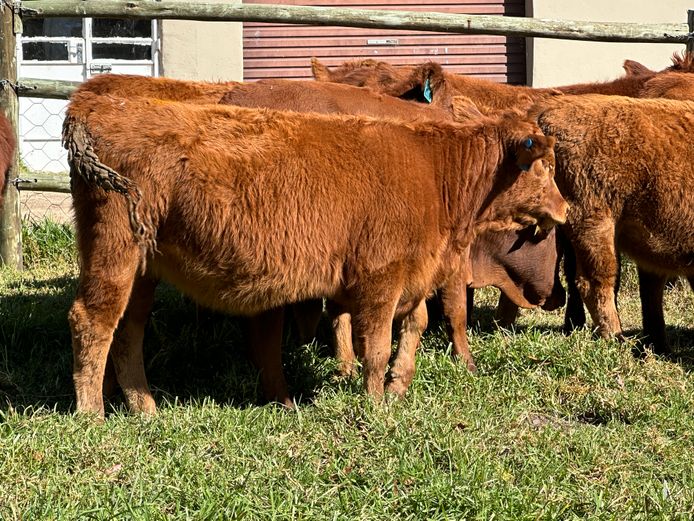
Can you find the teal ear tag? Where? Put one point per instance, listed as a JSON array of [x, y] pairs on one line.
[[427, 91]]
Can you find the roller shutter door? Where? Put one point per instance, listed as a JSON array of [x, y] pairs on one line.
[[284, 50]]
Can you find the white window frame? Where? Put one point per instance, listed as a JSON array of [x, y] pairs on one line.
[[86, 41]]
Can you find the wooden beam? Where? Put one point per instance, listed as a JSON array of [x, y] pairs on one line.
[[40, 181], [53, 89], [382, 19], [10, 217]]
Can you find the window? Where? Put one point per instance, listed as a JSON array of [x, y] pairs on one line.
[[83, 40]]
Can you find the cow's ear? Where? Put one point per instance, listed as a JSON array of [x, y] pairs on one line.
[[320, 71], [422, 84], [531, 147], [634, 68], [464, 109]]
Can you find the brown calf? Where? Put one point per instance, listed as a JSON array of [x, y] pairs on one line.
[[219, 194], [7, 146], [624, 165], [503, 255], [648, 84]]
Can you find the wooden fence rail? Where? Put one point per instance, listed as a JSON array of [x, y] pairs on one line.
[[13, 13], [381, 19]]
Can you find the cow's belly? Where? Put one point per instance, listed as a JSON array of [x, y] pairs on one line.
[[236, 290], [658, 247]]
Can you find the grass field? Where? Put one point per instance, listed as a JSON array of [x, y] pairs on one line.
[[551, 427]]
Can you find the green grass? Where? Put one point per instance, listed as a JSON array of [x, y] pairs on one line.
[[551, 427]]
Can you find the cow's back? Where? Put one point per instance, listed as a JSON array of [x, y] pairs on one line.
[[674, 85], [328, 98], [134, 86]]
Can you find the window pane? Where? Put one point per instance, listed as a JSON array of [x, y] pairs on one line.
[[112, 27], [45, 51], [121, 51], [53, 27]]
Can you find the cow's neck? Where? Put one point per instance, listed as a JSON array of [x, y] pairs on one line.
[[468, 167]]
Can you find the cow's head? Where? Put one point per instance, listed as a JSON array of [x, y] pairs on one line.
[[524, 191], [523, 264], [425, 83], [377, 75], [634, 68], [533, 196]]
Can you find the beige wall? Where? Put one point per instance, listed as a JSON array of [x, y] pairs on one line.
[[202, 50], [562, 62]]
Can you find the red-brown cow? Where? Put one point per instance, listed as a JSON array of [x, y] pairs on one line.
[[217, 205], [624, 165], [7, 146], [428, 83], [505, 259]]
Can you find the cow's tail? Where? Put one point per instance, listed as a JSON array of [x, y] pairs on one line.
[[85, 163]]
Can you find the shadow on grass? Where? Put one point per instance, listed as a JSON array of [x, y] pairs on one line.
[[191, 354], [35, 355], [680, 341]]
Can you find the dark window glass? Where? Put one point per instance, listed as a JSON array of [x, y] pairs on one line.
[[44, 51], [121, 51], [114, 27], [53, 27]]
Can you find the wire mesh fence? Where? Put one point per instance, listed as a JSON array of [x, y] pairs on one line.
[[40, 206], [40, 125]]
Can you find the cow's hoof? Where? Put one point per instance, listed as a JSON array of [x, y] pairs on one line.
[[346, 371], [467, 360], [396, 387]]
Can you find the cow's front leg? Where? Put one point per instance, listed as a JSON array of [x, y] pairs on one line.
[[126, 351], [265, 331], [455, 311], [597, 269], [372, 320], [403, 368], [651, 288], [106, 280]]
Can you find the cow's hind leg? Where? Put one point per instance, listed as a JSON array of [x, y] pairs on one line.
[[266, 353], [575, 315], [403, 368], [651, 287], [455, 311], [126, 351], [341, 322], [506, 312], [105, 283], [597, 270], [307, 315]]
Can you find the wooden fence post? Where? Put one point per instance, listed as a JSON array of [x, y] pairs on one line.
[[690, 40], [10, 218]]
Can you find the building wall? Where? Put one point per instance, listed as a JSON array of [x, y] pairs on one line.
[[208, 51], [561, 62]]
